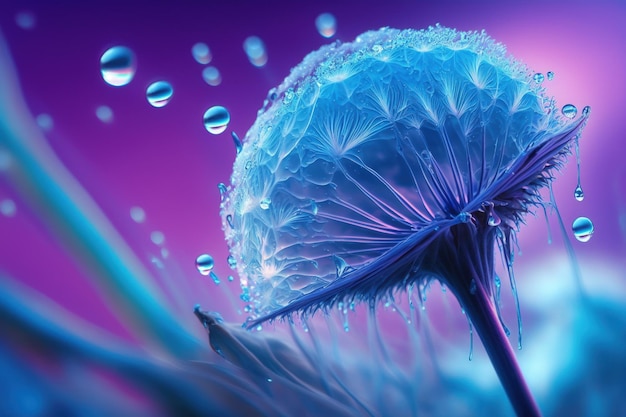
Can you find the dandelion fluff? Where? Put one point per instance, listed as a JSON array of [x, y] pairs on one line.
[[402, 157]]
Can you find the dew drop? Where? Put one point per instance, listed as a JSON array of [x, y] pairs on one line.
[[205, 264], [237, 141], [8, 207], [255, 50], [216, 119], [157, 237], [212, 76], [137, 214], [579, 195], [265, 203], [231, 278], [583, 229], [201, 53], [550, 75], [117, 66], [326, 25], [105, 114], [569, 111], [538, 77], [232, 262], [159, 93]]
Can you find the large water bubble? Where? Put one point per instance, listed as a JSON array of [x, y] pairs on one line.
[[216, 119], [118, 66], [159, 93]]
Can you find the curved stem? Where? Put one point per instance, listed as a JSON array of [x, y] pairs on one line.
[[479, 309]]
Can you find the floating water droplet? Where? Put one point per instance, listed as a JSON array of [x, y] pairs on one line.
[[586, 111], [137, 214], [538, 77], [216, 119], [569, 111], [550, 75], [157, 237], [222, 187], [105, 114], [255, 50], [237, 141], [159, 93], [326, 25], [201, 53], [25, 20], [214, 277], [583, 229], [231, 278], [212, 76], [265, 203], [232, 262], [579, 195], [117, 66], [8, 207], [44, 121], [205, 264]]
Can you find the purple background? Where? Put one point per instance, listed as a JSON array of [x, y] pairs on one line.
[[164, 160]]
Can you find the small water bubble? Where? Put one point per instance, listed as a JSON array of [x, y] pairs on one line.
[[579, 195], [214, 277], [159, 93], [157, 237], [237, 141], [538, 77], [569, 111], [231, 278], [586, 111], [216, 119], [582, 228], [25, 20], [255, 50], [117, 66], [232, 262], [201, 53], [105, 114], [258, 329], [44, 121], [137, 214], [326, 25], [204, 264], [550, 75], [265, 203], [212, 76], [8, 207]]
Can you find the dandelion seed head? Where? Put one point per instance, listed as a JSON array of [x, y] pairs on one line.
[[393, 139]]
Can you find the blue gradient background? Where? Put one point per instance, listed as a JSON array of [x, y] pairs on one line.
[[164, 160]]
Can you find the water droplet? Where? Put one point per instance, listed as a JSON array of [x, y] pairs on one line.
[[25, 20], [583, 229], [265, 203], [229, 220], [105, 114], [232, 262], [8, 207], [205, 264], [231, 278], [159, 93], [538, 77], [550, 75], [214, 277], [314, 207], [465, 217], [586, 111], [117, 66], [201, 53], [326, 25], [473, 286], [137, 214], [222, 187], [255, 50], [578, 193], [44, 121], [212, 76], [157, 237], [216, 119], [569, 111], [237, 141], [268, 379]]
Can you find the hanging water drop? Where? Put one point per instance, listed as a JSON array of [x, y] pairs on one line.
[[326, 25], [204, 264], [157, 237], [583, 229], [569, 111], [159, 93], [117, 66], [201, 53], [216, 119], [578, 193]]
